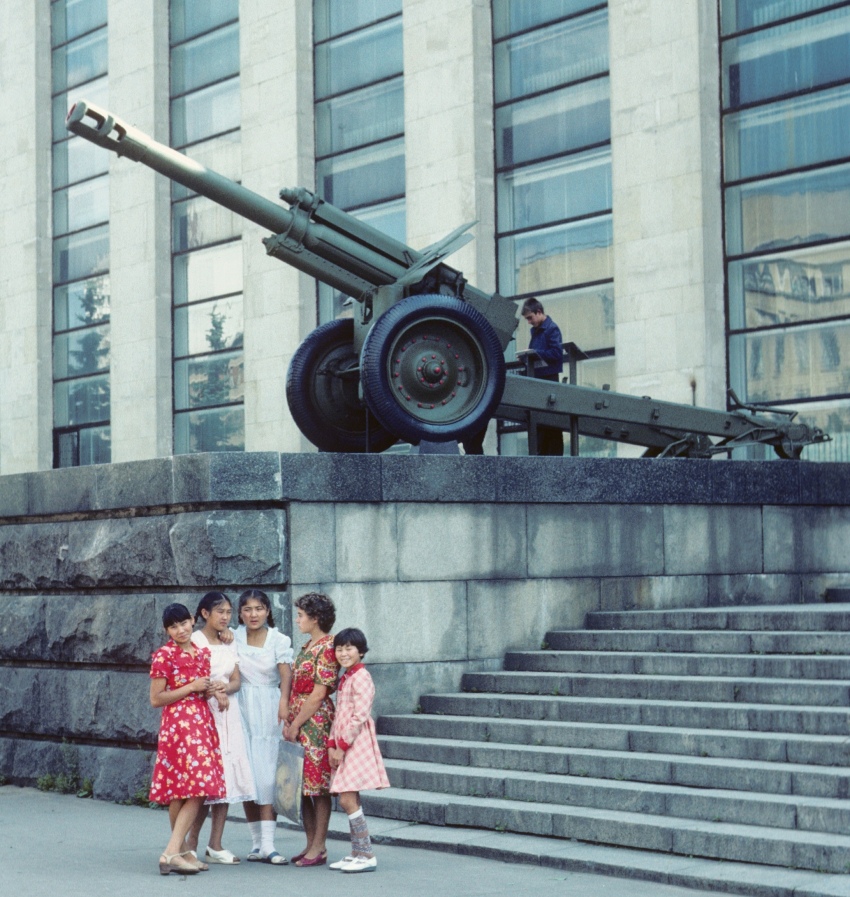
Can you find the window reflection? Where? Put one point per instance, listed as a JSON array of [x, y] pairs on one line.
[[510, 16], [211, 430], [358, 59], [331, 17]]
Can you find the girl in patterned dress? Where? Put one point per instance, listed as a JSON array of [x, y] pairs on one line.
[[188, 764], [311, 713], [355, 757]]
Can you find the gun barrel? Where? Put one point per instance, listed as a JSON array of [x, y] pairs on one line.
[[337, 249]]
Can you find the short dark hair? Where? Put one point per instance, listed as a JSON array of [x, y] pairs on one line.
[[318, 606], [175, 613], [353, 637], [262, 597], [532, 306], [209, 601]]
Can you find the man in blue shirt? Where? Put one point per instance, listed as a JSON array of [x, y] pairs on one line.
[[546, 342]]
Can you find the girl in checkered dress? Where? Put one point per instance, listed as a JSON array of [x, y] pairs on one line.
[[353, 747]]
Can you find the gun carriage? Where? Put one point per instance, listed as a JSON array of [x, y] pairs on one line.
[[422, 358]]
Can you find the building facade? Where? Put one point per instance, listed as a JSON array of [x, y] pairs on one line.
[[668, 177]]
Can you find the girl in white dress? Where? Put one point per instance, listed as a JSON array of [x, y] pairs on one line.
[[265, 661], [215, 610]]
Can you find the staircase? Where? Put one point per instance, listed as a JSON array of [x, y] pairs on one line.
[[712, 733]]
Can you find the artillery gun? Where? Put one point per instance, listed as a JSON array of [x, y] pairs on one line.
[[422, 358]]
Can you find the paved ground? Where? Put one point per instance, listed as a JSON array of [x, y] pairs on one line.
[[55, 844]]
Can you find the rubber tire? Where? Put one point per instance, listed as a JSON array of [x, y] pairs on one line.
[[387, 392], [328, 410]]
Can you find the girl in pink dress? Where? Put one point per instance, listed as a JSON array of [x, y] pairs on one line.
[[355, 757], [188, 764]]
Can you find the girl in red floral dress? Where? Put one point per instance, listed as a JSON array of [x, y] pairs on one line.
[[311, 713], [188, 765]]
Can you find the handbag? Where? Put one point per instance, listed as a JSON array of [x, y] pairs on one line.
[[289, 781]]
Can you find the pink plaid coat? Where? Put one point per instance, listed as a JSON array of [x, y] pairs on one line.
[[362, 768]]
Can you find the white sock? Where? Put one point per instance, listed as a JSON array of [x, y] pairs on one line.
[[356, 814], [267, 844], [254, 829]]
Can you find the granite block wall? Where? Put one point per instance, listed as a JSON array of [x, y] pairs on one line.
[[446, 562]]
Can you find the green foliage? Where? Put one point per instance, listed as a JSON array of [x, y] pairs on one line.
[[3, 781], [45, 782]]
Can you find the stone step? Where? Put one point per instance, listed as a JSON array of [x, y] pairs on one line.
[[809, 814], [696, 838], [828, 751], [831, 617], [696, 772], [816, 693], [781, 666], [623, 711], [699, 642]]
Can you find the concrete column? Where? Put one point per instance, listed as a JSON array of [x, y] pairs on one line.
[[139, 236], [26, 401], [665, 133], [276, 47], [448, 129]]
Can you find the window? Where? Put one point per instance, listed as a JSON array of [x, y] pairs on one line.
[[786, 168], [205, 237], [81, 407], [553, 175], [359, 111]]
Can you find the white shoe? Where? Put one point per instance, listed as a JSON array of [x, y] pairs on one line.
[[340, 863], [361, 864], [223, 856]]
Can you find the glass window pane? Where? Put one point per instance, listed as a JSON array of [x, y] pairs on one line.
[[208, 326], [791, 58], [83, 401], [365, 116], [559, 256], [212, 110], [833, 418], [782, 289], [200, 221], [190, 17], [798, 208], [209, 380], [204, 60], [81, 255], [95, 445], [81, 206], [358, 59], [332, 17], [366, 176], [549, 57], [80, 61], [792, 134], [81, 352], [80, 304], [77, 159], [207, 273], [740, 14], [553, 123], [510, 16], [784, 365], [585, 316], [554, 191], [214, 430], [223, 154], [96, 92], [71, 18]]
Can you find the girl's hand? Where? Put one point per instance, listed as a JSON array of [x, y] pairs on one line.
[[290, 732], [282, 710], [200, 684], [335, 756], [223, 700], [225, 636]]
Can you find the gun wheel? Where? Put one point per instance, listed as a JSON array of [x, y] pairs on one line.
[[432, 368], [322, 391]]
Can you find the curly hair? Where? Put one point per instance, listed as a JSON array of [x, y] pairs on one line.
[[319, 607]]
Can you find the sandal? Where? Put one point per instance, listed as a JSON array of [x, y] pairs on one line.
[[255, 856], [223, 856], [181, 867], [275, 859], [194, 862]]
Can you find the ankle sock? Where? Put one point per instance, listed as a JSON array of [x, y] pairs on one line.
[[361, 843], [267, 827]]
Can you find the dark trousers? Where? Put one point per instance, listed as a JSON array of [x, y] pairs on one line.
[[550, 440]]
